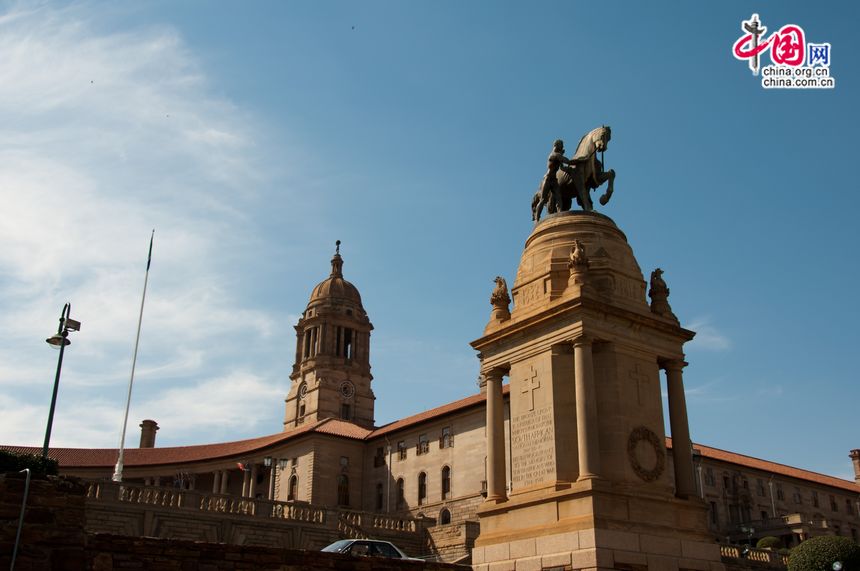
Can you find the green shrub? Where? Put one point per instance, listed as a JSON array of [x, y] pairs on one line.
[[819, 553], [39, 467], [768, 542]]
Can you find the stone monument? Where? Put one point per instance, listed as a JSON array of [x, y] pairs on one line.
[[583, 480]]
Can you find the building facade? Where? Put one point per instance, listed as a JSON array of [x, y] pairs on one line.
[[429, 468]]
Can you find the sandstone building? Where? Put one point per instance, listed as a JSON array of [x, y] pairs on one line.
[[458, 480]]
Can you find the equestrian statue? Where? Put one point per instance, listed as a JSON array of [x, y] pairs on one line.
[[569, 179]]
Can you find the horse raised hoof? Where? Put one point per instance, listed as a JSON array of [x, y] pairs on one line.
[[605, 198]]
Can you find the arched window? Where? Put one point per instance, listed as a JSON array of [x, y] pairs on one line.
[[401, 496], [444, 517], [293, 489], [343, 490], [422, 488], [379, 496], [446, 483]]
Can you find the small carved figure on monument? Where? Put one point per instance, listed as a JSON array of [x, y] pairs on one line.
[[500, 296], [578, 264], [659, 295], [500, 300], [577, 255]]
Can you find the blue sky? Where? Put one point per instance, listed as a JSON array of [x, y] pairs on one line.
[[251, 136]]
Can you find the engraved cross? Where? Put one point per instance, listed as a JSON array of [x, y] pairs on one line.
[[641, 379], [530, 383]]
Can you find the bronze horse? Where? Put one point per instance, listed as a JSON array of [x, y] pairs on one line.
[[585, 174]]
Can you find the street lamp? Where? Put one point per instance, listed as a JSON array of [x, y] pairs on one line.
[[59, 341]]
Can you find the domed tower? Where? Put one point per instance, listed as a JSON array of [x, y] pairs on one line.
[[331, 375]]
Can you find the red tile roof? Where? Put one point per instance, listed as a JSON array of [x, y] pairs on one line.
[[106, 457], [771, 467], [433, 413]]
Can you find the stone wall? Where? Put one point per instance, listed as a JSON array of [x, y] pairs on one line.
[[54, 538], [111, 552], [453, 542]]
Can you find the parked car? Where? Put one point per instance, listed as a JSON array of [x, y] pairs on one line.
[[368, 548]]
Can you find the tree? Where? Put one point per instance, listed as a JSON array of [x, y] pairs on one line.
[[768, 542], [819, 554]]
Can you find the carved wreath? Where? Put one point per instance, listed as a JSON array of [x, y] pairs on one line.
[[643, 434]]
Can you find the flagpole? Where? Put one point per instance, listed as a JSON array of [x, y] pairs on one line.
[[117, 474]]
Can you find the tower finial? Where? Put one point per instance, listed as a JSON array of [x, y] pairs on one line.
[[337, 262]]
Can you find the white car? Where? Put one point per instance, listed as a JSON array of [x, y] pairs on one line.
[[368, 548]]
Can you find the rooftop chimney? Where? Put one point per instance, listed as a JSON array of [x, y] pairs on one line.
[[147, 433], [855, 457]]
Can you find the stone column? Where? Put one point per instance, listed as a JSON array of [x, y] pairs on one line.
[[682, 446], [252, 485], [225, 480], [246, 480], [272, 479], [855, 459], [495, 437], [586, 410], [216, 481]]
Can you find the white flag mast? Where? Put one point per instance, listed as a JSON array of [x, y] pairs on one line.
[[117, 474]]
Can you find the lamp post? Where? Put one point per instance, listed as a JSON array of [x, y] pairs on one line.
[[60, 340]]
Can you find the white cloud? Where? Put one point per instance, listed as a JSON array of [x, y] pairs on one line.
[[104, 136], [708, 337]]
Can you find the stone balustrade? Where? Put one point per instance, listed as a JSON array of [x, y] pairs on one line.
[[758, 555], [134, 509]]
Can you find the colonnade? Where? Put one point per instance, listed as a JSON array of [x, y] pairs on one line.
[[588, 447]]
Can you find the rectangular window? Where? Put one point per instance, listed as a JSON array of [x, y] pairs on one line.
[[714, 513], [347, 343], [797, 497], [379, 497], [815, 499], [447, 439], [401, 450], [848, 509], [780, 495], [759, 483], [345, 411], [764, 515], [423, 445], [833, 505], [709, 477], [734, 513], [379, 458], [307, 349], [727, 484]]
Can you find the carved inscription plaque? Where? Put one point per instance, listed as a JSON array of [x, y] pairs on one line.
[[630, 289], [529, 293], [533, 452]]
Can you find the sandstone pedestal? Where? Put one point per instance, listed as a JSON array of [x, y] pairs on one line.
[[590, 484]]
